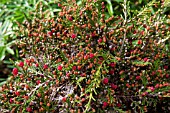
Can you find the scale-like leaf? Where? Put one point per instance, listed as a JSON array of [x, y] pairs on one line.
[[9, 50]]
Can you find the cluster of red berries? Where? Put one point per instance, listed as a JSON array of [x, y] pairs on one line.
[[74, 62]]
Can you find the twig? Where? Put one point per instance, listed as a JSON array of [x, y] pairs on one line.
[[125, 21], [37, 87]]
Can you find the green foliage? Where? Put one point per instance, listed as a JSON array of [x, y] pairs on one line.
[[5, 32]]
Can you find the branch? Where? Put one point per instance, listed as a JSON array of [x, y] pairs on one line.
[[125, 21]]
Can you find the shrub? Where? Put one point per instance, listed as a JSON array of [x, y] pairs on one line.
[[83, 61]]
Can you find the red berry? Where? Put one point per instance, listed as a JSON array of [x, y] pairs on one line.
[[67, 74], [15, 71], [137, 77], [50, 33], [29, 35], [153, 73], [100, 40], [111, 72], [37, 65], [91, 55], [59, 5], [134, 32], [29, 109], [86, 57], [118, 105], [105, 81], [101, 58], [70, 18], [105, 104], [64, 99], [152, 88], [45, 66], [27, 61], [113, 86], [93, 34], [60, 68], [112, 64], [157, 86], [144, 25], [73, 36], [145, 59], [167, 76], [11, 100], [74, 68], [142, 32], [17, 93], [139, 42], [21, 64], [39, 94], [83, 75], [165, 67], [38, 81], [144, 93]]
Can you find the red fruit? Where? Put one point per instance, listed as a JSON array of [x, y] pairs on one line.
[[118, 105], [74, 68], [86, 57], [144, 25], [105, 81], [79, 68], [112, 64], [167, 76], [127, 85], [39, 94], [64, 99], [113, 86], [38, 81], [83, 75], [134, 32], [111, 72], [139, 42], [15, 71], [157, 86], [11, 100], [29, 35], [17, 93], [142, 32], [45, 66], [50, 33], [91, 55], [73, 36], [144, 93], [67, 74], [37, 65], [100, 40], [21, 64], [52, 30], [26, 97], [137, 77], [165, 67], [29, 109], [27, 61], [145, 59], [105, 104], [153, 73], [70, 18], [101, 58], [60, 68], [152, 88], [93, 34], [59, 5]]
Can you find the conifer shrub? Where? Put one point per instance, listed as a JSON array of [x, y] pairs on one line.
[[84, 61]]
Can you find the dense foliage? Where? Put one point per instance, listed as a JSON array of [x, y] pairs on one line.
[[85, 60]]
